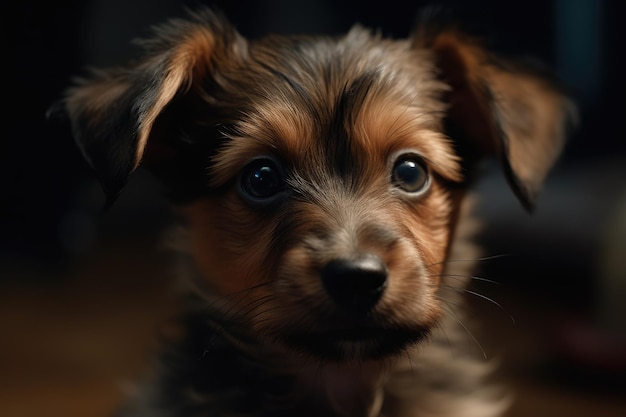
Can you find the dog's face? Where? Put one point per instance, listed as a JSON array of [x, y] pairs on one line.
[[334, 193], [320, 179]]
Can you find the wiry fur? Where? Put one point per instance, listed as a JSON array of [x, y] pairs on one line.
[[262, 334]]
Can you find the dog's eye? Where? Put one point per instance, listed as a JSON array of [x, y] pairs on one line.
[[261, 180], [410, 174]]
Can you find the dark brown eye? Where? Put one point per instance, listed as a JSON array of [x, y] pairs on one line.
[[410, 174], [261, 180]]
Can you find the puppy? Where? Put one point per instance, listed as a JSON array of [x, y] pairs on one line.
[[321, 184]]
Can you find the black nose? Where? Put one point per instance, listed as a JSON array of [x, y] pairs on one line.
[[355, 284]]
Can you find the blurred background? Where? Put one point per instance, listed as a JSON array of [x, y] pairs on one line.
[[83, 291]]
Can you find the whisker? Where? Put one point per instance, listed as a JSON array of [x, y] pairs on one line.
[[483, 259], [459, 306], [484, 297], [474, 277], [469, 333], [443, 329]]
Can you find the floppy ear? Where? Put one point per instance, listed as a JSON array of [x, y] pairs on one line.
[[501, 108], [116, 113]]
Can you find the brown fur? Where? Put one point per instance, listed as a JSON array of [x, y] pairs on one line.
[[334, 114]]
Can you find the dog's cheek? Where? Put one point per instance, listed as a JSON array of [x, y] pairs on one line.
[[296, 291], [410, 296], [430, 225], [417, 261], [228, 243]]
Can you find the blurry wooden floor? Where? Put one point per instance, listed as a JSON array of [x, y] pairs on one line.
[[68, 349]]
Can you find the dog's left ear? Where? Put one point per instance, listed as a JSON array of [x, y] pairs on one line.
[[501, 108], [120, 117]]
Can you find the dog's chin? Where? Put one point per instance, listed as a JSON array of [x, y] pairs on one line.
[[356, 344]]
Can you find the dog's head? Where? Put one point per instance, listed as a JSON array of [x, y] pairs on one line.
[[320, 178]]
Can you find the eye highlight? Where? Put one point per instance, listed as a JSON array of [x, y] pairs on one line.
[[410, 174], [261, 180]]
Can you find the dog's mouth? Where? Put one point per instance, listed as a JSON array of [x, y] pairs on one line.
[[356, 343]]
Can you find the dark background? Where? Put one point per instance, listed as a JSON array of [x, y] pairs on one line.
[[567, 260]]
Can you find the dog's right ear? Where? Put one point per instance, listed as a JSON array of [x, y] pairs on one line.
[[115, 114], [498, 107]]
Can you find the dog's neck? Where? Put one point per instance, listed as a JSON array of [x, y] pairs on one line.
[[351, 390], [319, 388]]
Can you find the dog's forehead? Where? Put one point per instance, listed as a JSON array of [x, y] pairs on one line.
[[334, 100], [317, 75]]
